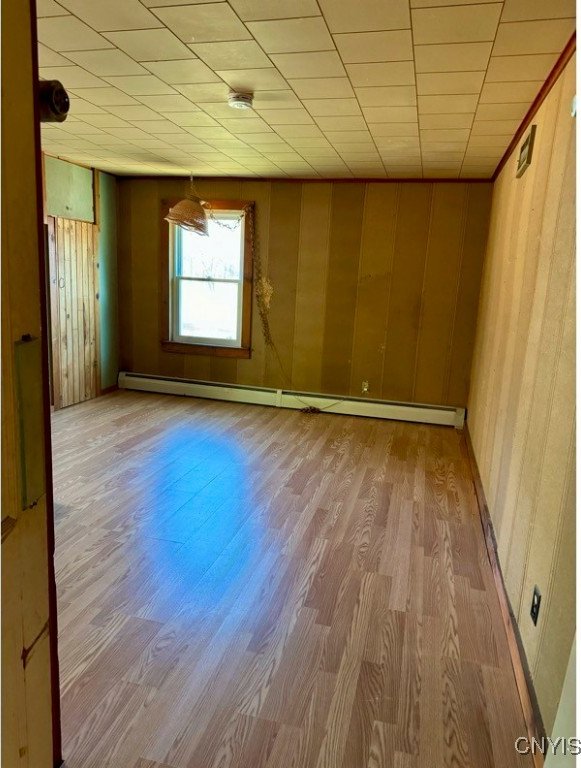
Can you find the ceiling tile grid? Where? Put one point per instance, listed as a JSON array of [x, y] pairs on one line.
[[366, 89]]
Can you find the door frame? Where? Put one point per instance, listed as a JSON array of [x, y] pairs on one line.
[[44, 309]]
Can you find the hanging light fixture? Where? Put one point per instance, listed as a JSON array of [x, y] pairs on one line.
[[189, 213]]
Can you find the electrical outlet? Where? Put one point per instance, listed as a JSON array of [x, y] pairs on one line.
[[536, 605], [364, 387]]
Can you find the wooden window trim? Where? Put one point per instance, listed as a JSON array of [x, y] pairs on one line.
[[167, 344]]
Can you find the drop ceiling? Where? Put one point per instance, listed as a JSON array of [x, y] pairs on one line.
[[342, 88]]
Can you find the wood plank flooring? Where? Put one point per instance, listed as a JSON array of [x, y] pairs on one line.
[[247, 587]]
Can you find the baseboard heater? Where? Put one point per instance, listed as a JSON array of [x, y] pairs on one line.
[[283, 398]]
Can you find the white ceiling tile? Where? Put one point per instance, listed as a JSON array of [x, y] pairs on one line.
[[150, 44], [500, 141], [447, 104], [285, 116], [549, 36], [388, 73], [349, 137], [292, 35], [224, 111], [452, 57], [387, 96], [355, 123], [107, 62], [241, 54], [104, 97], [281, 99], [252, 10], [66, 33], [107, 15], [105, 120], [48, 58], [81, 107], [189, 118], [49, 8], [158, 126], [140, 85], [365, 15], [395, 129], [532, 67], [447, 121], [322, 87], [456, 24], [390, 114], [205, 92], [497, 93], [170, 103], [71, 77], [514, 111], [137, 112], [294, 131], [257, 125], [208, 132], [526, 10], [447, 134], [253, 79], [308, 141], [330, 107], [438, 83], [204, 23], [494, 127], [361, 47], [182, 71], [324, 63]]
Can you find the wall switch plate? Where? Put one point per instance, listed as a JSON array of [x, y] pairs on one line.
[[536, 605]]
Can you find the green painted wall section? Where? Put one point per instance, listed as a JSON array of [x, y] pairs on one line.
[[68, 190], [108, 305]]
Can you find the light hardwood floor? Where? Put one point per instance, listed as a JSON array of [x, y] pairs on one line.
[[246, 587]]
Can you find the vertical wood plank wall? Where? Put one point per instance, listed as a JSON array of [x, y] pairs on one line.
[[372, 281], [26, 684], [521, 409], [74, 310]]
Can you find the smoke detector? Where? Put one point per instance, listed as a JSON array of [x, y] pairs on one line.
[[240, 100]]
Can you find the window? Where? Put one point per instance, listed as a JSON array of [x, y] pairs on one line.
[[210, 284]]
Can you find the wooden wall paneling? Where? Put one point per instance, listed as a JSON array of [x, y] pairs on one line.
[[515, 393], [440, 285], [283, 247], [359, 325], [461, 345], [311, 296], [125, 226], [413, 227], [146, 330], [251, 371], [344, 254], [373, 287], [553, 273], [55, 347], [521, 417]]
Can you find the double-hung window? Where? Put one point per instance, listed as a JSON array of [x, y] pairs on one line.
[[210, 283]]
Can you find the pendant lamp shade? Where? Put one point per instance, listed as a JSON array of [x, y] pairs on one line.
[[189, 213]]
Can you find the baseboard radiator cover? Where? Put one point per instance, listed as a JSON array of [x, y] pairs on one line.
[[282, 398]]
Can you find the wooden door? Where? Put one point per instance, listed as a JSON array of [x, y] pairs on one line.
[[72, 248]]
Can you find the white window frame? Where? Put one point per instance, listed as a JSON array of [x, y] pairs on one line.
[[175, 242]]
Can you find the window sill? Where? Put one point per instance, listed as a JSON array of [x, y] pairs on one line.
[[182, 348]]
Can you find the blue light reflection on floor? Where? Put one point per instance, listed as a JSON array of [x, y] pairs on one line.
[[215, 527]]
